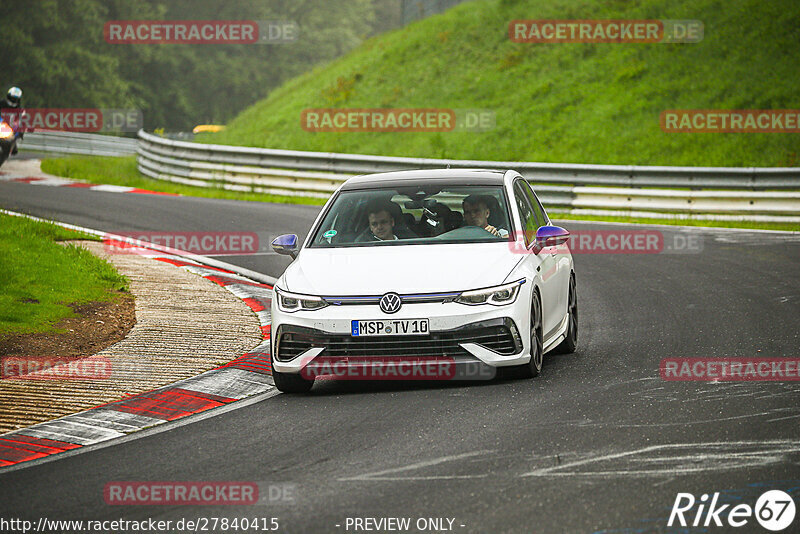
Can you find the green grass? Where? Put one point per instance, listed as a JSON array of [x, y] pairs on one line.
[[123, 171], [40, 277], [569, 103]]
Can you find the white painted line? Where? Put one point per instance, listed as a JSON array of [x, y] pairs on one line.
[[125, 428], [247, 291], [264, 347], [228, 382], [61, 430], [203, 271], [51, 181], [245, 254], [112, 188], [680, 423], [376, 475], [770, 452], [115, 419], [432, 477], [782, 418]]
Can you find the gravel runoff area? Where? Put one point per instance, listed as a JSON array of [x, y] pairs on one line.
[[185, 325]]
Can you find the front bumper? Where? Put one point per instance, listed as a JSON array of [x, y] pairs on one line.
[[486, 335]]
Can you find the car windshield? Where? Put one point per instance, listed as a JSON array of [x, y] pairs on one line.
[[415, 215]]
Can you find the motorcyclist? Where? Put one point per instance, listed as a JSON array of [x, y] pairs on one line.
[[13, 101]]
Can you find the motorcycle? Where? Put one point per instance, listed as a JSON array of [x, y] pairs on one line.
[[10, 133]]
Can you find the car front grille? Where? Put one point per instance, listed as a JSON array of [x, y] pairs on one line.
[[503, 339]]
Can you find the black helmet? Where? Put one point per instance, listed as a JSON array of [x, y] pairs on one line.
[[14, 95]]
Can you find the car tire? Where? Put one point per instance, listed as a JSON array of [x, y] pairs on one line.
[[534, 367], [291, 383], [571, 341]]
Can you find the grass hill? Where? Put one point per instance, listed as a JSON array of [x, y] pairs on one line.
[[581, 103]]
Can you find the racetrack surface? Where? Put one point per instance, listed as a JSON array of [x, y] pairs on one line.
[[599, 442]]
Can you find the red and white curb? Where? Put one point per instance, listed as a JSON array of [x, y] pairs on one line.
[[63, 182], [244, 377]]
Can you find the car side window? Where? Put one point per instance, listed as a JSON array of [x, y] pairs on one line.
[[526, 213], [538, 210]]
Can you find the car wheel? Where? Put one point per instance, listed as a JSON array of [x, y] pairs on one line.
[[291, 383], [571, 341], [534, 367]]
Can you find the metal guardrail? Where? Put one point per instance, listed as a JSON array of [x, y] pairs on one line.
[[752, 178], [78, 143], [575, 188]]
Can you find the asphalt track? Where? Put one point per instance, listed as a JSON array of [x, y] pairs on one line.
[[599, 442]]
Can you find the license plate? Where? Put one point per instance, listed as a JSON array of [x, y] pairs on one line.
[[389, 327]]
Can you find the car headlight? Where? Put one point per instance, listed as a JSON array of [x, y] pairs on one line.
[[292, 302], [497, 296]]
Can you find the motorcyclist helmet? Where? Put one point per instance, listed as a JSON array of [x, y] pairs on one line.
[[14, 96]]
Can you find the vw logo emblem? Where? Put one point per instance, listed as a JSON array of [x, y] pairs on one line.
[[390, 303]]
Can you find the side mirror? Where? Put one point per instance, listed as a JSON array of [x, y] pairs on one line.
[[551, 236], [285, 244]]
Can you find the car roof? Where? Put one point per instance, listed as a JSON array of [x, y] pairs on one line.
[[425, 177]]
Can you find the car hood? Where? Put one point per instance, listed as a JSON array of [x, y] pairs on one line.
[[401, 269]]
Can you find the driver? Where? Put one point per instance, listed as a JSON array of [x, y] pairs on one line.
[[476, 213], [381, 222]]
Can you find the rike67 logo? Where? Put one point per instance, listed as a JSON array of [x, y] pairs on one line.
[[774, 510]]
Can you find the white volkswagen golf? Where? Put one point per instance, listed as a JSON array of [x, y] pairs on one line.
[[443, 270]]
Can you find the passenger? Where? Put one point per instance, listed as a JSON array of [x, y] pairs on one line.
[[381, 223], [476, 213]]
